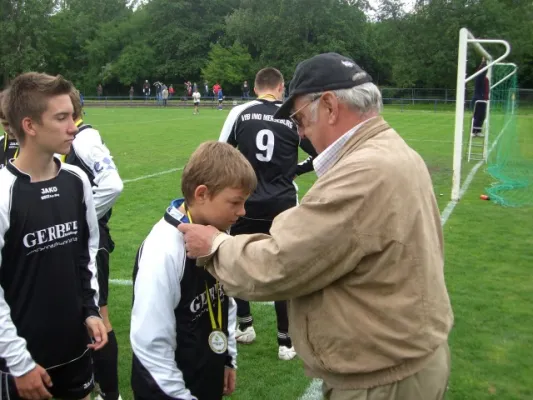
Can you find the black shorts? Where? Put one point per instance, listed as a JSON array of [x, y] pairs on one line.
[[197, 103], [72, 381], [245, 226]]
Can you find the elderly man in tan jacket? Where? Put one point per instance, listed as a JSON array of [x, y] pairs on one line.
[[360, 259]]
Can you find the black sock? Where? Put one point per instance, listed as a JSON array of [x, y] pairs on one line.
[[283, 324], [244, 314], [106, 368], [245, 322], [284, 339]]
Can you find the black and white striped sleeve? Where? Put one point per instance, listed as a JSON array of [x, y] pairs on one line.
[[228, 133], [12, 347], [157, 292], [87, 260], [229, 130]]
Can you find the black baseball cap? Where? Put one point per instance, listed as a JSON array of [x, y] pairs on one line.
[[323, 72]]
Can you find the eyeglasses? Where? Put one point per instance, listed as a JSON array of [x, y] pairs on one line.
[[315, 98]]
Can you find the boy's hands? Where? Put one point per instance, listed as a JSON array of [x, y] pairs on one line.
[[33, 384], [230, 376], [98, 331]]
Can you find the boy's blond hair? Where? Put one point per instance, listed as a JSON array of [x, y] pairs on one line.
[[218, 166]]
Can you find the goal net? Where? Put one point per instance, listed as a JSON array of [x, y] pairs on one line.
[[510, 162], [486, 126]]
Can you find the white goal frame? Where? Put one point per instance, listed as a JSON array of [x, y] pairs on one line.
[[466, 38]]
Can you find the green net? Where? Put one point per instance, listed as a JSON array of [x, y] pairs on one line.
[[510, 157]]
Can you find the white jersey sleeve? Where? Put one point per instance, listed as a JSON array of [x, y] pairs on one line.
[[12, 347], [108, 185]]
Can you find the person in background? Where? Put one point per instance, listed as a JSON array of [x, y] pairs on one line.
[[245, 90], [9, 147], [271, 146], [196, 100], [89, 153], [220, 96], [479, 100]]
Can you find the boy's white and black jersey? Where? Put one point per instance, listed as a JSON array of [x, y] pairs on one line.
[[9, 149], [48, 242], [170, 322], [271, 147], [89, 153]]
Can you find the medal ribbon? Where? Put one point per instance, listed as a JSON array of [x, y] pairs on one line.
[[209, 305], [211, 313], [267, 96]]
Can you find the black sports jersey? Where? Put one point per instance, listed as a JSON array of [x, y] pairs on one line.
[[89, 153], [9, 149], [170, 322], [271, 146], [48, 287]]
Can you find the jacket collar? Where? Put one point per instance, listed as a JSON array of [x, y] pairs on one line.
[[369, 130]]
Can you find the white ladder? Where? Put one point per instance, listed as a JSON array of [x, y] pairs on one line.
[[476, 145]]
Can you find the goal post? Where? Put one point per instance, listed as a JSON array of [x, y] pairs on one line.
[[466, 40]]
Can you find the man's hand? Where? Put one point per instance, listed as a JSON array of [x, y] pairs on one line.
[[198, 239], [33, 385], [98, 331], [230, 376]]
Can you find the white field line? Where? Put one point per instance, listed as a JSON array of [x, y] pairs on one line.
[[140, 178]]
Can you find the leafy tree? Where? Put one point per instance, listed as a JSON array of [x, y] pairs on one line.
[[228, 66]]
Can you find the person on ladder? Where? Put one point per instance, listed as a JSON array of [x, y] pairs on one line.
[[481, 96]]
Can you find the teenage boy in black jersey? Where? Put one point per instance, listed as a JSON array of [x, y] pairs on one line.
[[48, 242], [271, 146], [182, 324], [9, 148]]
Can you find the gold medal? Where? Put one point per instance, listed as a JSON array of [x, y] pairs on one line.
[[218, 342]]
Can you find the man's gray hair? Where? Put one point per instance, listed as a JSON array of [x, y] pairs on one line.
[[363, 98]]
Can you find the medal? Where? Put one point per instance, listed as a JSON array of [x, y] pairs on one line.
[[218, 342]]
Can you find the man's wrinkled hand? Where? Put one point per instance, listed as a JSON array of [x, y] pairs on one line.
[[33, 385], [98, 331], [198, 239]]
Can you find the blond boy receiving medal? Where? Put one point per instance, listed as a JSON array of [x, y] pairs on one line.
[[183, 324]]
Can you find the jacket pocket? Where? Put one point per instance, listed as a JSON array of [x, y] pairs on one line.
[[334, 344], [315, 361]]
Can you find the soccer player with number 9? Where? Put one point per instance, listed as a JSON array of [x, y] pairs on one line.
[[271, 146]]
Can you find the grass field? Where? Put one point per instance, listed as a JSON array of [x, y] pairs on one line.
[[489, 253]]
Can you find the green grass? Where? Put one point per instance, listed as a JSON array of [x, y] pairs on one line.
[[489, 256]]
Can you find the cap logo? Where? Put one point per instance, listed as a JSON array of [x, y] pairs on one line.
[[358, 76], [348, 64]]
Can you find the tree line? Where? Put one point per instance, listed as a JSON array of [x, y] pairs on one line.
[[120, 43]]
